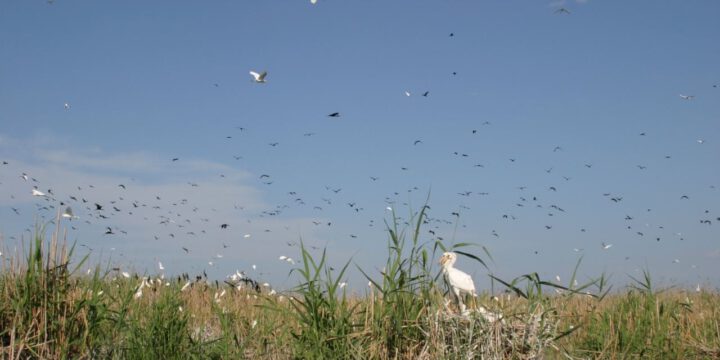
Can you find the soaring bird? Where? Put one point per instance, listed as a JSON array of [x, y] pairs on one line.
[[68, 214], [258, 78], [36, 192], [458, 281]]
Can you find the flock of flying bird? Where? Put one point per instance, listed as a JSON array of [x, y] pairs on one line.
[[178, 218], [96, 211]]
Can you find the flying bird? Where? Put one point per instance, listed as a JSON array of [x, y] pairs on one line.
[[335, 114], [458, 281], [687, 97], [259, 78], [36, 192], [68, 214]]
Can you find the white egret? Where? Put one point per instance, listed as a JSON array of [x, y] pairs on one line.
[[458, 281], [259, 78]]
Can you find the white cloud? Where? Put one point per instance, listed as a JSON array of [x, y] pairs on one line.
[[162, 207]]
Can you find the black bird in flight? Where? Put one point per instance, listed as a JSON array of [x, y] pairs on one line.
[[335, 114]]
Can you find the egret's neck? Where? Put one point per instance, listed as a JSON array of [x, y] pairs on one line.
[[446, 267]]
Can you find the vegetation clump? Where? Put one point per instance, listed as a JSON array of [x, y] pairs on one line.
[[50, 310]]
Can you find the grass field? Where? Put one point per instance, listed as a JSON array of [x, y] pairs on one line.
[[49, 309]]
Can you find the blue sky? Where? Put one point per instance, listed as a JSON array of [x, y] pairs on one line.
[[150, 82]]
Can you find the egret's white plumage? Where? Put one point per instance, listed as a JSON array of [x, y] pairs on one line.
[[259, 78], [460, 282]]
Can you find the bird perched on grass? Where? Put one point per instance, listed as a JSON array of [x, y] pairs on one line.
[[459, 282]]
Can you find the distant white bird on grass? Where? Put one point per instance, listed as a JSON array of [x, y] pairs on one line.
[[259, 78], [459, 282]]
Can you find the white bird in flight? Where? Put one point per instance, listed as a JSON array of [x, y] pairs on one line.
[[606, 246], [68, 214], [36, 192], [286, 258], [459, 281], [259, 78], [687, 97]]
